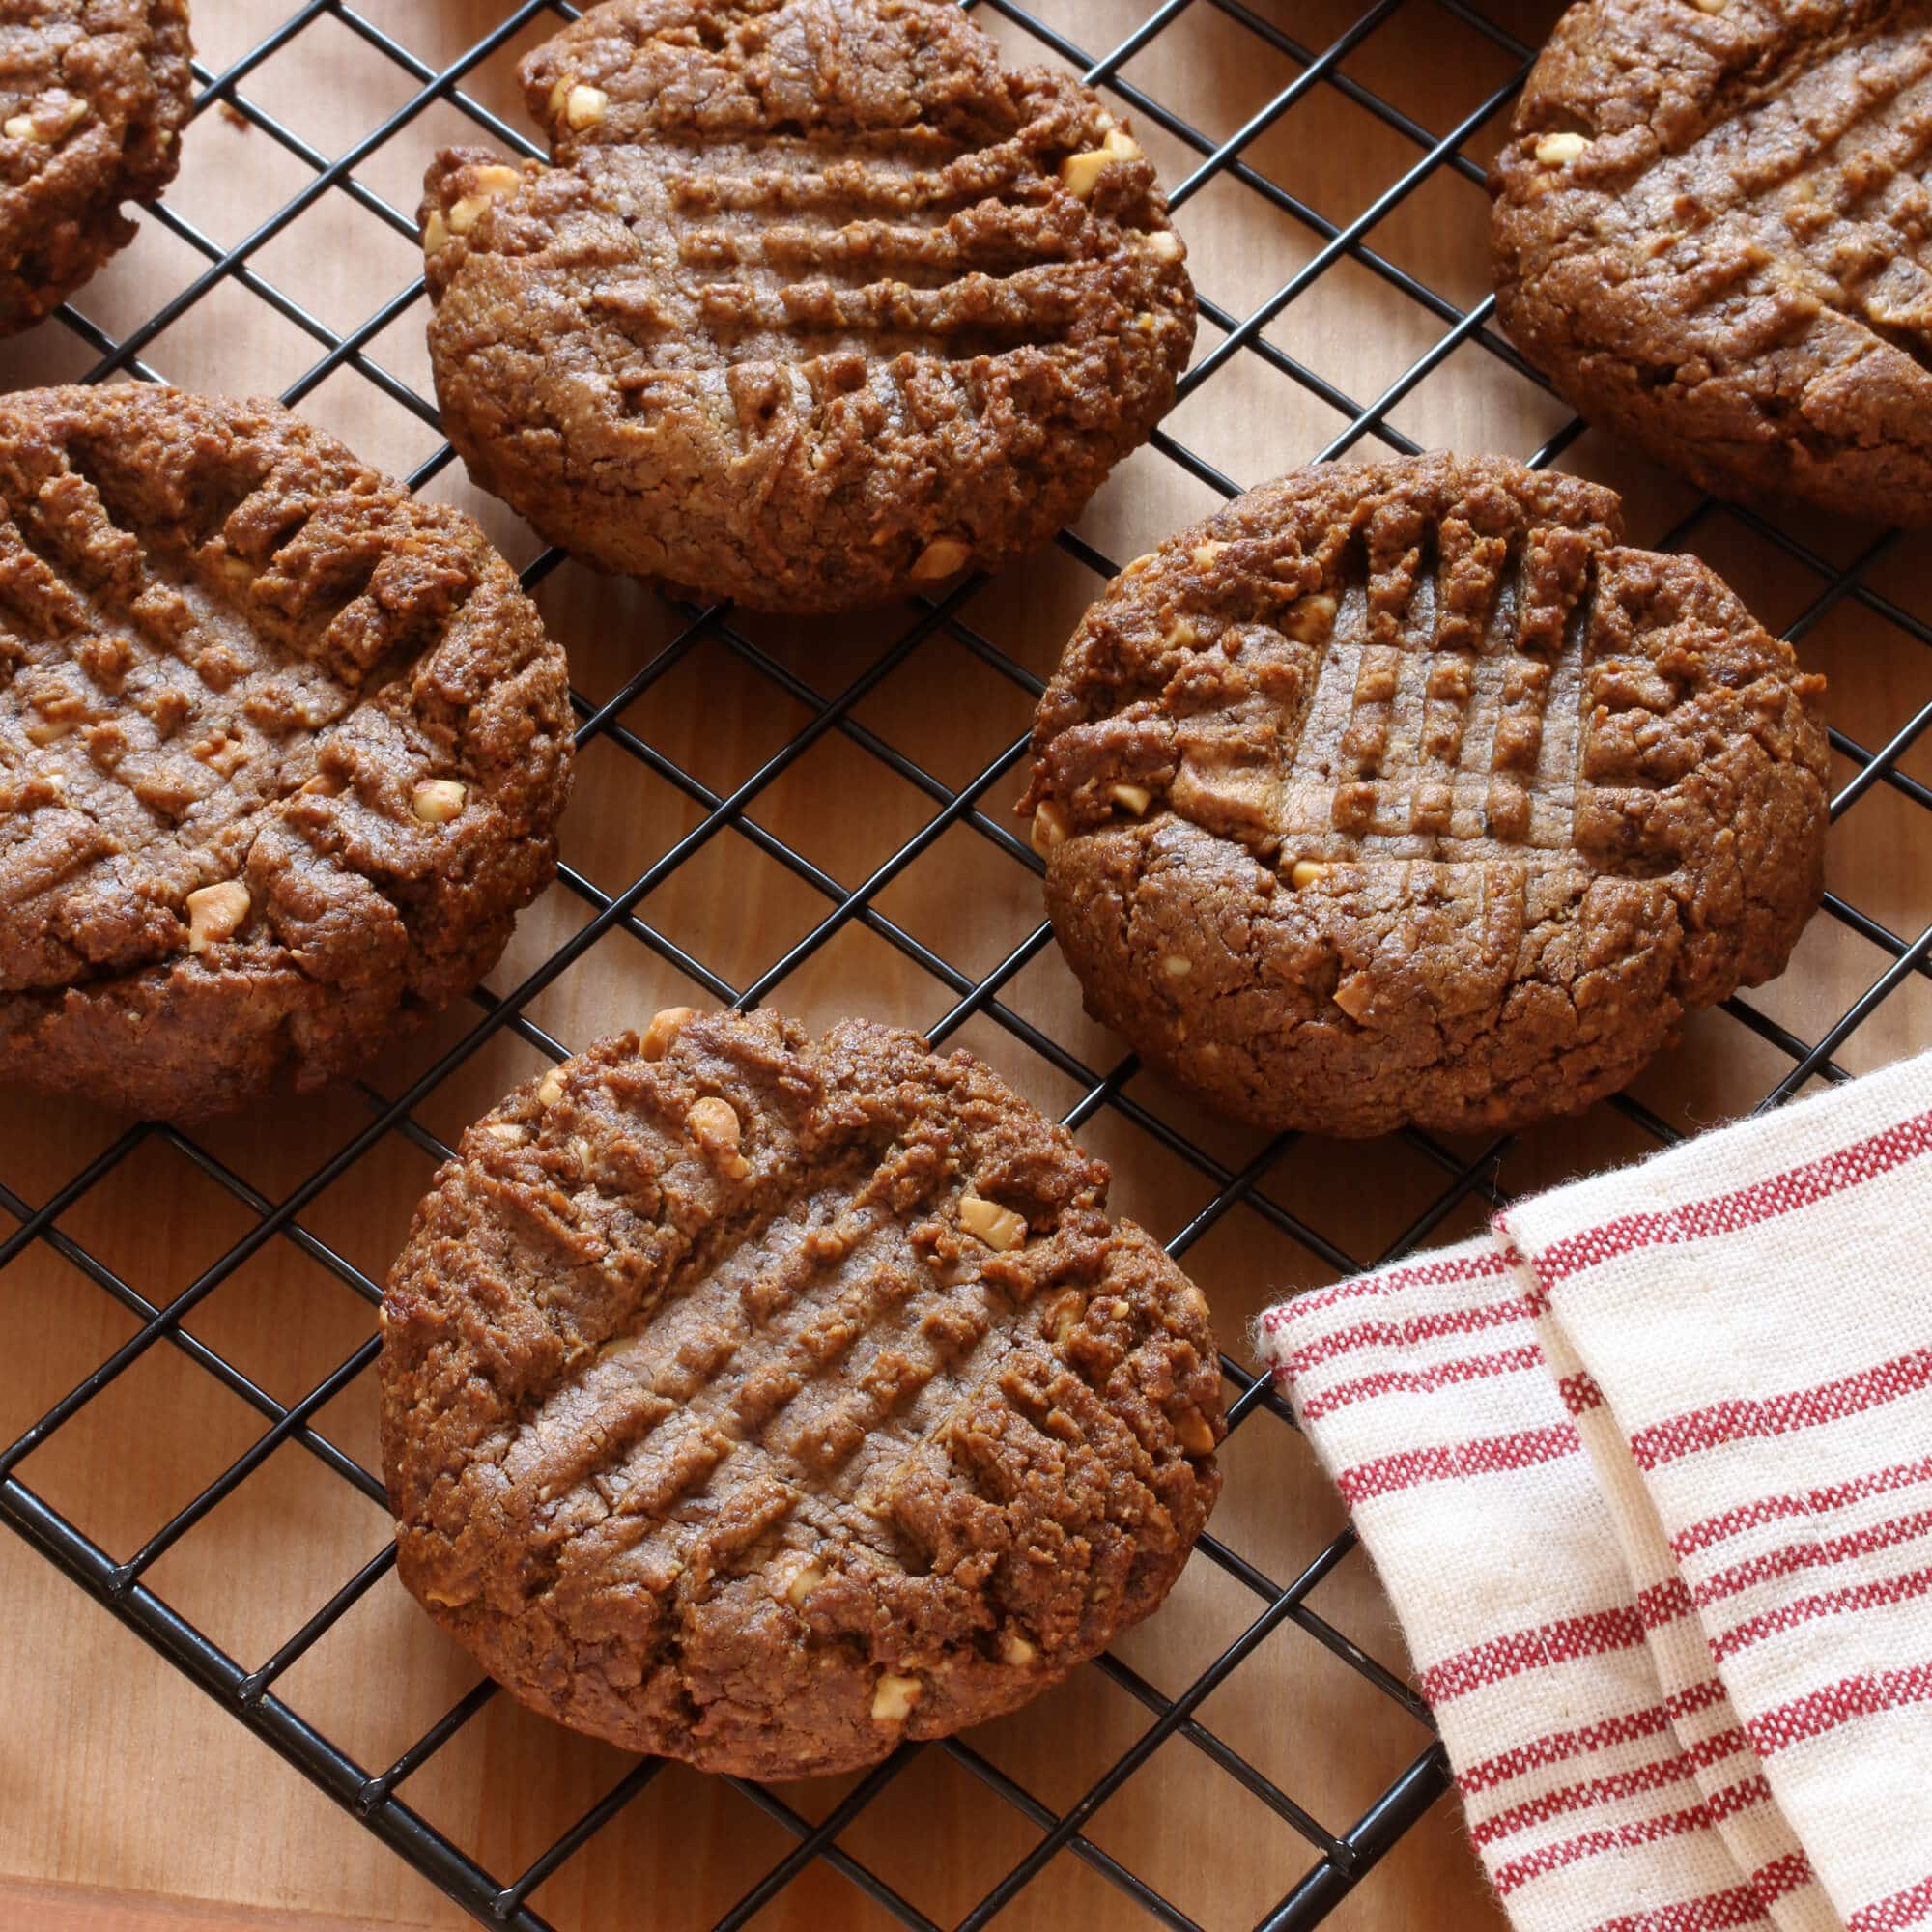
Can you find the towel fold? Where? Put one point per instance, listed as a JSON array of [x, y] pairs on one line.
[[1647, 1472]]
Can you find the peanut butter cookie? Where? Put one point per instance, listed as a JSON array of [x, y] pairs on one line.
[[814, 306], [93, 94], [281, 750], [763, 1401], [1409, 794], [1714, 233]]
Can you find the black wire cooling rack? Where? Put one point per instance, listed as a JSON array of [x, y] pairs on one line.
[[1329, 1862]]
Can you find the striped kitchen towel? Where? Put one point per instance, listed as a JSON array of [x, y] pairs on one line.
[[1647, 1472]]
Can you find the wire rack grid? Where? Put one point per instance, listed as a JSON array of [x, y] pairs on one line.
[[821, 1840]]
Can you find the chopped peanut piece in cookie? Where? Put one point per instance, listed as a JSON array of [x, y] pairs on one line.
[[1558, 151], [1194, 1432], [1310, 619], [715, 1126], [215, 913], [940, 559], [998, 1226], [664, 1029], [583, 107], [488, 184], [1049, 827], [894, 1698], [436, 801]]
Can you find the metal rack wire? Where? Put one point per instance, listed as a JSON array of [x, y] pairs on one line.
[[1335, 1861]]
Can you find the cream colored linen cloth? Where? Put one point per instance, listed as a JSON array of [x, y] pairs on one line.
[[1647, 1472]]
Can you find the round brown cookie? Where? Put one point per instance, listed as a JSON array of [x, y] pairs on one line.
[[814, 306], [93, 94], [281, 750], [762, 1401], [1406, 793], [1714, 233]]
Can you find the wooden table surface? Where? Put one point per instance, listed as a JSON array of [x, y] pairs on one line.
[[127, 1798]]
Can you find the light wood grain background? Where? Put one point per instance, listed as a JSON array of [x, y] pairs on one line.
[[128, 1799]]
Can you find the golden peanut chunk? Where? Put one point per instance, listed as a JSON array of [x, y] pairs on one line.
[[941, 557], [436, 801], [1194, 1432], [1307, 873], [487, 185], [1710, 6], [449, 1602], [583, 107], [1182, 636], [550, 1092], [1558, 151], [507, 1132], [1080, 174], [436, 233], [47, 120], [1205, 553], [1065, 1315], [1000, 1228], [1139, 563], [1308, 620], [894, 1698], [48, 731], [1176, 966], [1017, 1651], [1132, 798], [1355, 996], [664, 1029], [1164, 244], [323, 785], [215, 913], [1122, 145], [1049, 828], [805, 1580], [715, 1126]]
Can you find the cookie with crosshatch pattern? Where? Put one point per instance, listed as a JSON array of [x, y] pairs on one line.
[[281, 750], [1713, 232], [763, 1401], [93, 94], [814, 306], [1409, 794]]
